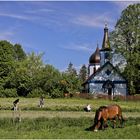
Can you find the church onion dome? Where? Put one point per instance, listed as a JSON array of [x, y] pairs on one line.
[[95, 57], [106, 43]]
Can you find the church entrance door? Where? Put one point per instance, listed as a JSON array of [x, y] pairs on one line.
[[109, 91], [109, 86]]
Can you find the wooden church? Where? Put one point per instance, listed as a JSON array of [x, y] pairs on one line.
[[103, 77]]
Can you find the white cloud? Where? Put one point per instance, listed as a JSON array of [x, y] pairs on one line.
[[9, 32], [36, 11], [96, 20], [16, 16], [79, 47], [37, 16], [6, 35]]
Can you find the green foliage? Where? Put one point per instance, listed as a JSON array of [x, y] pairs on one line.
[[126, 41], [8, 93], [38, 92], [83, 73], [72, 81], [6, 58], [19, 52], [8, 65], [56, 93], [50, 80], [7, 52], [27, 74], [71, 70], [116, 98]]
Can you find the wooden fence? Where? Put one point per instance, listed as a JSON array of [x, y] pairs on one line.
[[102, 96]]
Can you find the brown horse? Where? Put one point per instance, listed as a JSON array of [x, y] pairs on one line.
[[104, 113]]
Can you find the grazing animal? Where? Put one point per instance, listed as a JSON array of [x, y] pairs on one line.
[[15, 104], [16, 113], [41, 102], [87, 108], [104, 113]]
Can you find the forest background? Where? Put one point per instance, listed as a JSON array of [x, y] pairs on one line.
[[26, 75]]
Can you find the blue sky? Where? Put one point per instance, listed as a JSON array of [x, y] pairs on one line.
[[66, 31]]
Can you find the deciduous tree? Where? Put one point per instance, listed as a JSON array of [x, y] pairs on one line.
[[126, 41]]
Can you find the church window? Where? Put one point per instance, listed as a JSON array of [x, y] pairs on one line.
[[108, 72], [107, 56]]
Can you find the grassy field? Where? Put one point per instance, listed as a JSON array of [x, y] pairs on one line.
[[63, 119]]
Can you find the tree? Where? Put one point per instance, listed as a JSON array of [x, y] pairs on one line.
[[71, 70], [6, 58], [83, 73], [19, 52], [126, 41], [51, 81], [26, 75], [7, 63], [72, 80]]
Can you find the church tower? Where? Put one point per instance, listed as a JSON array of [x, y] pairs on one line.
[[94, 62], [103, 77], [105, 51]]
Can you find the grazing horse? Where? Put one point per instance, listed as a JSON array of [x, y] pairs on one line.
[[104, 113]]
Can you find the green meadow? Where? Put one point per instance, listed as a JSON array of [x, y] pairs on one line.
[[64, 119]]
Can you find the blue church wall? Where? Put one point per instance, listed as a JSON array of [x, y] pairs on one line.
[[96, 88], [107, 73]]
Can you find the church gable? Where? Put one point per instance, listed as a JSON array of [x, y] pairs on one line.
[[107, 72]]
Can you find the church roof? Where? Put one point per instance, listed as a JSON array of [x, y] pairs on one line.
[[95, 57], [106, 43], [100, 69]]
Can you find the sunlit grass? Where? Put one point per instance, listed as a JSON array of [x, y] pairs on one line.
[[62, 114], [67, 104], [64, 128]]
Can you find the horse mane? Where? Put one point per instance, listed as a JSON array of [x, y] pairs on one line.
[[102, 107], [97, 113]]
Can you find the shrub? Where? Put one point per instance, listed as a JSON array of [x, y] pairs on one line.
[[8, 93], [56, 93], [36, 93], [116, 98]]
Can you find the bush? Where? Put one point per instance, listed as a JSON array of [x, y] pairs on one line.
[[56, 93], [116, 98], [36, 93], [8, 93]]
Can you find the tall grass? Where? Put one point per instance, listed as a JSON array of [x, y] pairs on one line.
[[64, 128], [66, 104]]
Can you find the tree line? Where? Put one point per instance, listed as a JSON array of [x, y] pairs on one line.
[[26, 75]]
